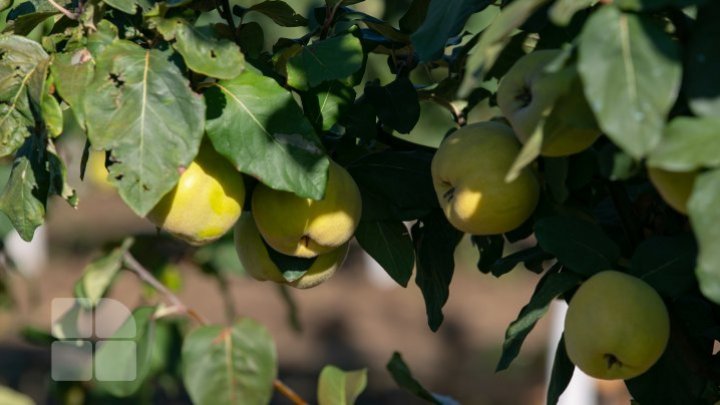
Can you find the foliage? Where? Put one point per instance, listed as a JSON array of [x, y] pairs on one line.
[[147, 80]]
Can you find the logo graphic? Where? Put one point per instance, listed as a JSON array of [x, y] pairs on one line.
[[93, 341]]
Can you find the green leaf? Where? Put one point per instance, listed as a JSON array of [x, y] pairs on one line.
[[389, 243], [397, 104], [666, 263], [549, 287], [338, 387], [23, 67], [11, 397], [202, 50], [57, 173], [704, 216], [72, 73], [528, 154], [562, 372], [280, 12], [435, 241], [490, 249], [646, 5], [403, 377], [5, 4], [562, 11], [556, 173], [530, 256], [443, 20], [253, 116], [579, 245], [631, 72], [229, 365], [395, 185], [703, 61], [139, 107], [325, 104], [127, 360], [493, 40], [25, 195], [50, 111], [99, 274], [689, 143], [291, 267], [414, 16], [129, 6], [329, 59], [25, 23]]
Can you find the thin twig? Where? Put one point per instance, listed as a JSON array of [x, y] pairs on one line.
[[288, 393], [147, 277], [69, 14], [226, 12], [179, 307]]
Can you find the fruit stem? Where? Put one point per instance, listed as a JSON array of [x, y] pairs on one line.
[[288, 393], [611, 360]]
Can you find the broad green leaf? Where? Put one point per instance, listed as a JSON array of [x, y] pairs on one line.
[[202, 50], [490, 249], [122, 364], [548, 288], [280, 12], [24, 24], [328, 59], [129, 6], [705, 217], [389, 243], [11, 397], [666, 263], [443, 20], [561, 374], [703, 61], [291, 267], [25, 195], [689, 143], [257, 125], [493, 40], [396, 104], [562, 11], [529, 257], [72, 73], [57, 173], [579, 245], [252, 39], [140, 107], [414, 16], [50, 110], [395, 185], [435, 241], [647, 5], [23, 67], [338, 387], [230, 365], [631, 71], [326, 103], [403, 377], [529, 152], [99, 274]]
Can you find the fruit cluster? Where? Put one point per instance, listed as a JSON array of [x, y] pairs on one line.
[[208, 201], [617, 326]]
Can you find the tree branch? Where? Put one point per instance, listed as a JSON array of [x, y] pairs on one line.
[[67, 13], [179, 307]]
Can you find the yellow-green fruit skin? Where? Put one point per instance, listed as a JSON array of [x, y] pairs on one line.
[[674, 187], [527, 93], [256, 261], [468, 172], [616, 326], [303, 227], [205, 203]]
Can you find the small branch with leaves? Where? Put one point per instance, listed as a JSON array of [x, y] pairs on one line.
[[178, 307]]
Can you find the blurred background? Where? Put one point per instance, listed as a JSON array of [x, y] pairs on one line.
[[355, 320]]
